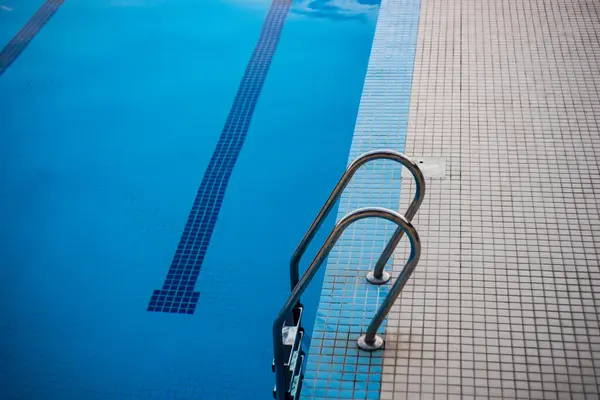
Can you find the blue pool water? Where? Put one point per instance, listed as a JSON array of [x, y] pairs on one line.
[[108, 121]]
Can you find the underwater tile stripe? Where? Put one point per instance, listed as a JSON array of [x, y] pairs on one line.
[[177, 294], [335, 368], [21, 40]]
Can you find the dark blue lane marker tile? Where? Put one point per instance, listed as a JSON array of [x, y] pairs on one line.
[[21, 40], [177, 294]]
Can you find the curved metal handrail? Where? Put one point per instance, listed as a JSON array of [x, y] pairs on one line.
[[335, 194], [370, 339]]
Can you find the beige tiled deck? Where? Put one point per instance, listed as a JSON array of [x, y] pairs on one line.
[[504, 303]]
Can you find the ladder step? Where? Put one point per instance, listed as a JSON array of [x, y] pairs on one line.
[[291, 338], [294, 364], [296, 385]]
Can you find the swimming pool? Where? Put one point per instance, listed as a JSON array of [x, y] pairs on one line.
[[110, 117]]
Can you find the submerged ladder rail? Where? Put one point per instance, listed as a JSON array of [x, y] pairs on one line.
[[370, 341], [377, 276]]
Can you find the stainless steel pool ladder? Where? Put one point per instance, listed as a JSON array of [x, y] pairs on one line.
[[287, 329]]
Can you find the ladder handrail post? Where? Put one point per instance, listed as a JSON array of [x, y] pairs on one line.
[[388, 302], [399, 232]]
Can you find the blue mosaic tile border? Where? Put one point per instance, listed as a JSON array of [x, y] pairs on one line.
[[21, 40], [336, 369], [177, 294]]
